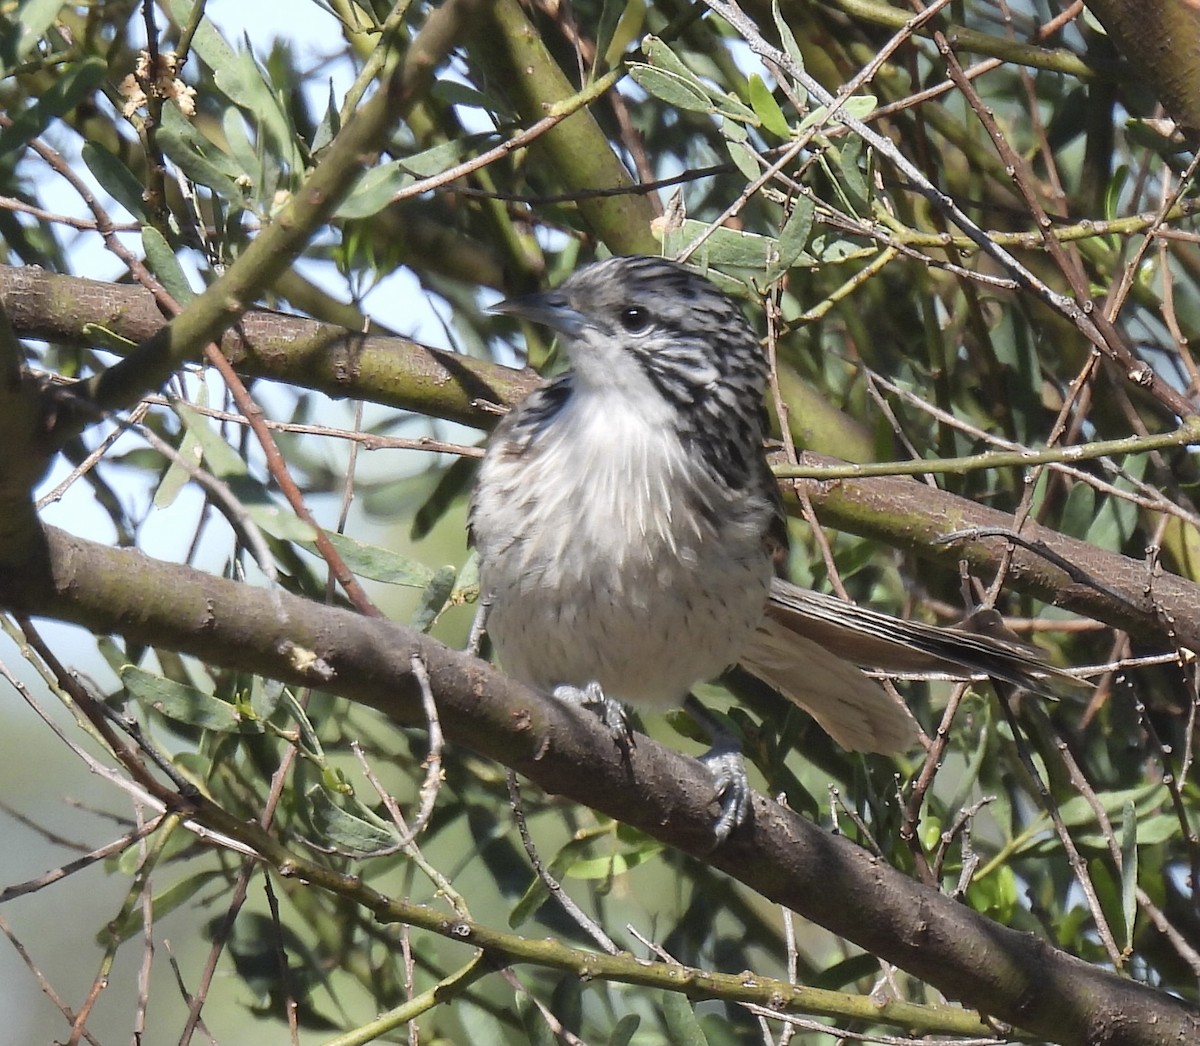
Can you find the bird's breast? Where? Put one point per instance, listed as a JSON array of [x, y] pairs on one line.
[[613, 556]]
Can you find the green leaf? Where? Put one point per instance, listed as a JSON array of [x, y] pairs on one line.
[[533, 1024], [730, 106], [112, 652], [225, 464], [620, 24], [177, 476], [853, 180], [724, 248], [604, 868], [734, 131], [352, 827], [1117, 519], [793, 237], [434, 598], [454, 93], [842, 975], [212, 50], [682, 1027], [536, 894], [995, 896], [1079, 510], [788, 39], [858, 106], [834, 249], [662, 57], [466, 585], [442, 157], [309, 740], [186, 704], [375, 189], [222, 459], [744, 159], [261, 100], [767, 109], [624, 1030], [115, 179], [670, 88], [1073, 927], [1151, 831], [1114, 194], [1077, 812], [668, 62], [930, 832], [449, 488], [331, 122], [196, 156], [377, 563], [268, 515], [163, 903], [161, 261], [239, 76], [1129, 870], [978, 754], [242, 152], [67, 92], [266, 695], [31, 20]]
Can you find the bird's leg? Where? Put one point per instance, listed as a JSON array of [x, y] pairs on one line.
[[612, 713], [479, 625], [724, 761]]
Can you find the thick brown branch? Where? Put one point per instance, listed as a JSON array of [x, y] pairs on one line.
[[1012, 976], [1156, 607], [406, 374], [1162, 42], [330, 359]]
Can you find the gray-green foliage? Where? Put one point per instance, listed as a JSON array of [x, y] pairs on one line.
[[889, 330]]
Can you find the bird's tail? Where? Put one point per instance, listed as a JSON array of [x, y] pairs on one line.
[[809, 644]]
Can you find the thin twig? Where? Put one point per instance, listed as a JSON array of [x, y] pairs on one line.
[[562, 898]]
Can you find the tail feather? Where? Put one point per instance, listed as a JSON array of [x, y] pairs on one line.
[[851, 708], [809, 643]]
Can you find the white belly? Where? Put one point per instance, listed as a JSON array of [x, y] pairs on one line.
[[602, 569]]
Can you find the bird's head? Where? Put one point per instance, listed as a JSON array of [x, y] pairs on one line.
[[659, 335]]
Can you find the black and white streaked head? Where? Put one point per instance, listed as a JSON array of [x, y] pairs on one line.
[[669, 343]]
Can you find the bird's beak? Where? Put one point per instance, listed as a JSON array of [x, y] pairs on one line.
[[549, 308]]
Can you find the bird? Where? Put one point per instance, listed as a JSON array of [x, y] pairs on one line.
[[631, 536]]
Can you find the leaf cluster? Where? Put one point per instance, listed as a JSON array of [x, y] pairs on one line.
[[959, 235]]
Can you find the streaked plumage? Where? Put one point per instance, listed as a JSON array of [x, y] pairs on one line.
[[603, 495], [628, 524]]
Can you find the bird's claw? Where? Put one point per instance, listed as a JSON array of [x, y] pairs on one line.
[[612, 713], [732, 786]]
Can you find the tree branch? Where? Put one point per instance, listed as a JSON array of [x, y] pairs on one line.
[[394, 371], [405, 374], [275, 248], [1160, 41], [1154, 606], [581, 153], [1012, 976]]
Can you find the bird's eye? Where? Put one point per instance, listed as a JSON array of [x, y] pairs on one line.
[[635, 318]]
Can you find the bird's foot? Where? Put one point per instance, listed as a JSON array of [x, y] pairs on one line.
[[724, 761], [612, 713], [728, 769]]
